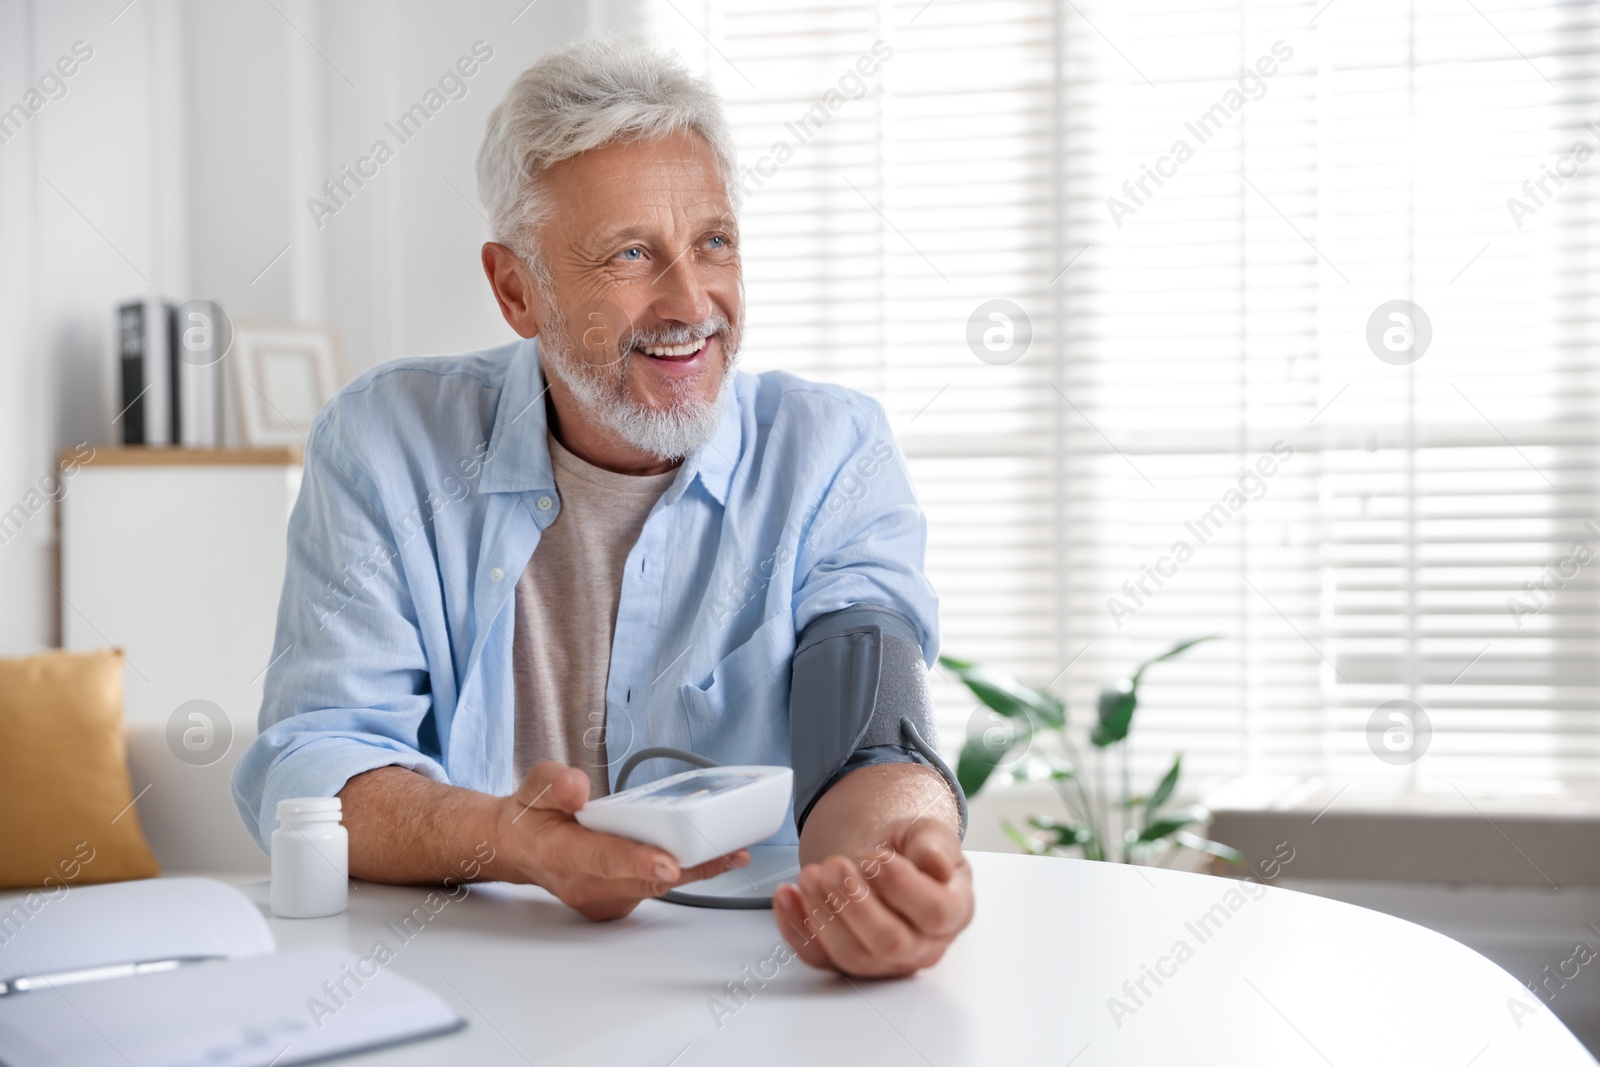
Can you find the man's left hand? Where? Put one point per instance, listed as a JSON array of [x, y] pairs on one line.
[[885, 914]]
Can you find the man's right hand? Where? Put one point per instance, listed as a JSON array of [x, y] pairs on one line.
[[601, 876]]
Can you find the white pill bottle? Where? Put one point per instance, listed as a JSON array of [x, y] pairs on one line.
[[310, 859]]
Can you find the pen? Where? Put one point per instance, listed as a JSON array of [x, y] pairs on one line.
[[91, 974]]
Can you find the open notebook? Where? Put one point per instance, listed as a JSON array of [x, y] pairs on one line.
[[175, 971]]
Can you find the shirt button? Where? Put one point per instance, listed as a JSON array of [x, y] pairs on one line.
[[545, 503], [496, 574]]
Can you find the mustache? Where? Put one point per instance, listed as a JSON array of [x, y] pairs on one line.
[[680, 334]]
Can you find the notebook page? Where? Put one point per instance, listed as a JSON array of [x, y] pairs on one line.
[[127, 922], [252, 1012]]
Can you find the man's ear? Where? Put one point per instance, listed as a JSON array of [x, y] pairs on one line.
[[513, 289]]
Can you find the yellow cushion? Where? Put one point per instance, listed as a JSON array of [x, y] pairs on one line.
[[65, 799]]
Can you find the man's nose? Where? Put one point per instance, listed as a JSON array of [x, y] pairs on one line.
[[681, 294]]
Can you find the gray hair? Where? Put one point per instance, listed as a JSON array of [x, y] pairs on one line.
[[585, 96]]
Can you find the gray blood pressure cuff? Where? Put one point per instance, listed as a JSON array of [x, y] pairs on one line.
[[859, 696]]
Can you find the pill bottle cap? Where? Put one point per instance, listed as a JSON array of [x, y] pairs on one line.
[[299, 811]]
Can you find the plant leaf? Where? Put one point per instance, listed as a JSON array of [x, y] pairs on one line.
[[1067, 834], [1117, 703], [1028, 844], [1043, 769], [979, 758], [1210, 848], [1167, 826], [1176, 650], [1055, 709], [1006, 696], [1120, 699], [1164, 791]]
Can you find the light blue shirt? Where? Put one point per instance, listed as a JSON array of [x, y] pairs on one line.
[[427, 486]]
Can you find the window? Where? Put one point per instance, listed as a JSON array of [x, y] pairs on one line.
[[1299, 348]]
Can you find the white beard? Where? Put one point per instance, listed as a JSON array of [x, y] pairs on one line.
[[673, 433]]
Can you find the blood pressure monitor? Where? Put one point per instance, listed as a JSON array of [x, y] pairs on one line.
[[697, 815]]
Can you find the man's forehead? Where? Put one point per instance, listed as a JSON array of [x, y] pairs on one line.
[[675, 181], [630, 183], [642, 216], [682, 164], [678, 158]]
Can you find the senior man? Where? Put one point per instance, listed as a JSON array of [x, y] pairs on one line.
[[510, 569]]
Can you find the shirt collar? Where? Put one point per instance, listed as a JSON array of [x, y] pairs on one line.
[[716, 460], [520, 456]]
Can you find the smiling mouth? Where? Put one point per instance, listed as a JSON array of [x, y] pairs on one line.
[[676, 353]]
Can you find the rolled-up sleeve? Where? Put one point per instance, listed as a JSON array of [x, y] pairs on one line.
[[867, 539], [865, 548], [347, 689]]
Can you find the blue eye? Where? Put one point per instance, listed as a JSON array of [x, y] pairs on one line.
[[634, 254], [719, 242]]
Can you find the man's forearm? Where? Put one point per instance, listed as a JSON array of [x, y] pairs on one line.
[[850, 819], [410, 830]]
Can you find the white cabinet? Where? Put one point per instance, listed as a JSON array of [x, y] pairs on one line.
[[176, 556]]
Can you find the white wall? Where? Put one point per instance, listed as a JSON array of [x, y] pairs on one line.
[[81, 225], [179, 162]]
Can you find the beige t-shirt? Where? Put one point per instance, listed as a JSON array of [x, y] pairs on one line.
[[566, 612]]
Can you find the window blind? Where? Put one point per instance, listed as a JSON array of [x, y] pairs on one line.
[[1197, 412]]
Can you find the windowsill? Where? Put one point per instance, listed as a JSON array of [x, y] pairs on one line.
[[1316, 795], [1367, 833], [1372, 833]]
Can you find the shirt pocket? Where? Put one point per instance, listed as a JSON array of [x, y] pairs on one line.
[[740, 714]]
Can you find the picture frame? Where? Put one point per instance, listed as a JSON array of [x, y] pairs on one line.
[[283, 375]]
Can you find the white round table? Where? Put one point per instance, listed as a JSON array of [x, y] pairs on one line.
[[1067, 962]]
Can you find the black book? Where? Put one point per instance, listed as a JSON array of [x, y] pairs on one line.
[[146, 371]]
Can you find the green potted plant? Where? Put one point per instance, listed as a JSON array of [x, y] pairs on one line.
[[1130, 827]]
